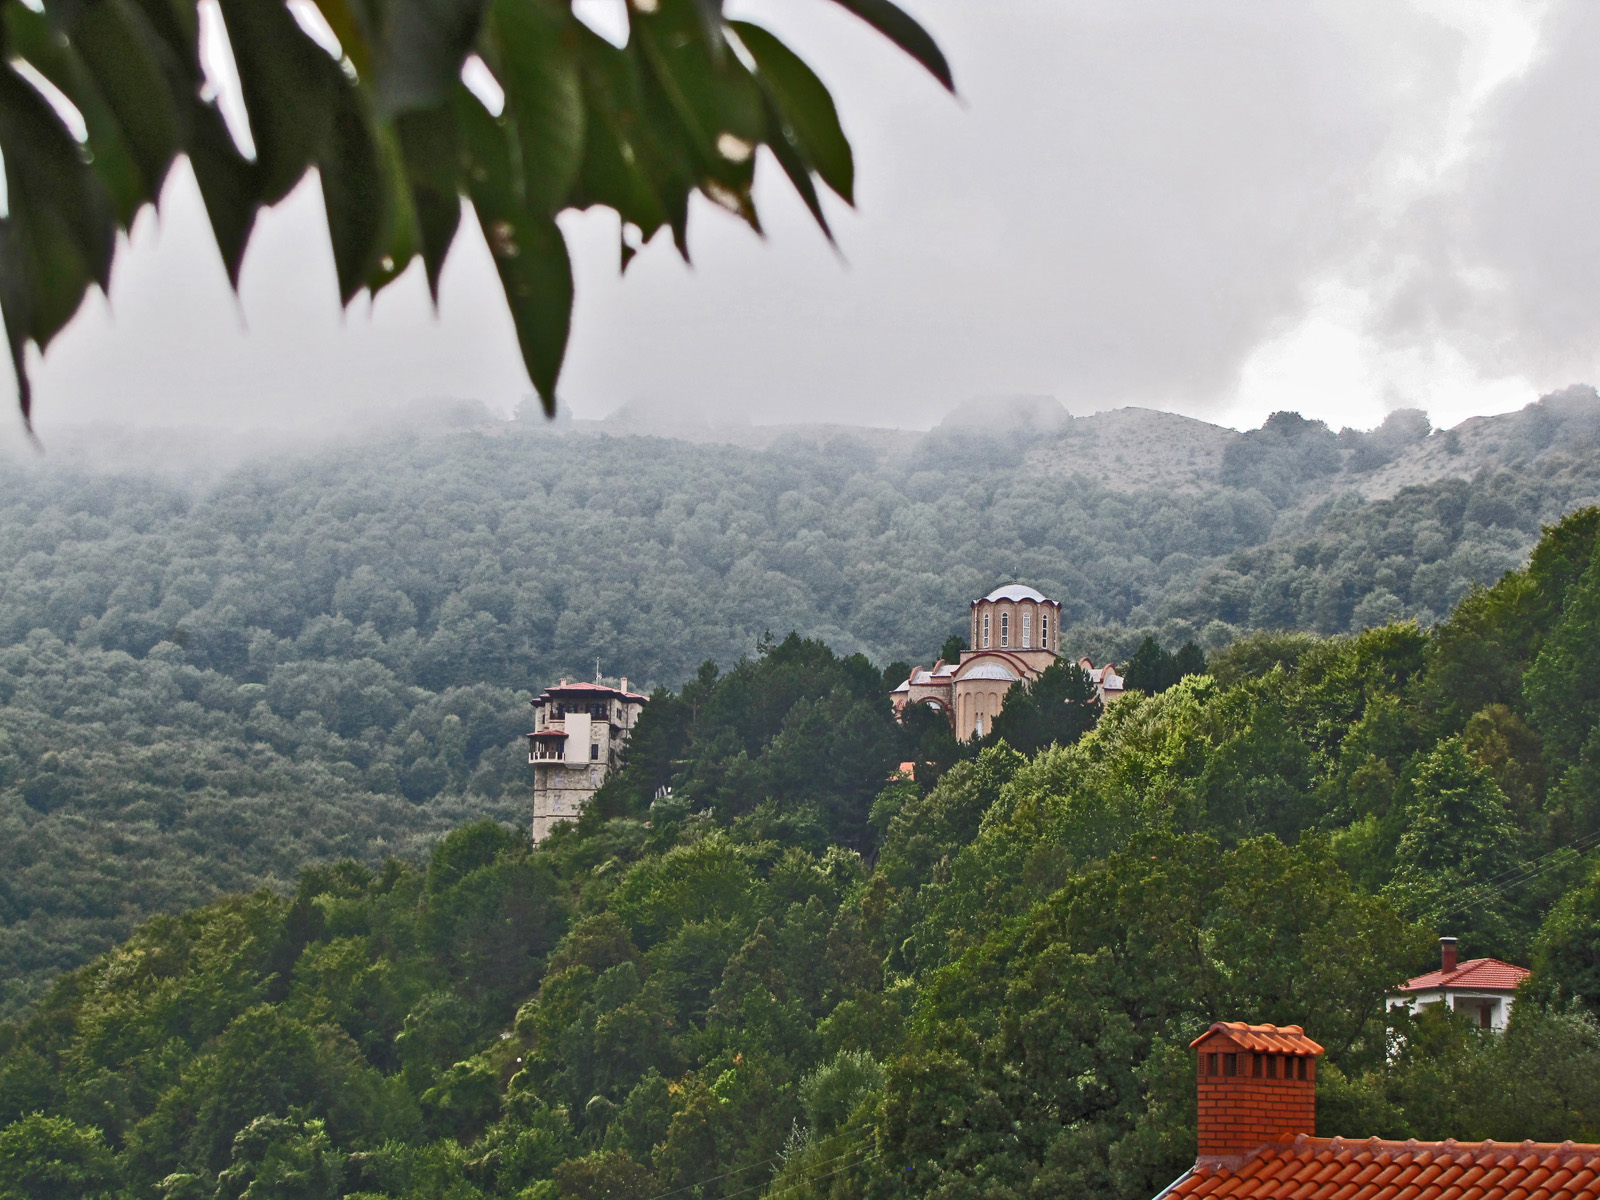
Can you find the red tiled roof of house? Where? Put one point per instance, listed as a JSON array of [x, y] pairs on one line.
[[1300, 1166], [1263, 1039], [1478, 974]]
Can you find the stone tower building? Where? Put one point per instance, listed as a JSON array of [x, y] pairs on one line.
[[578, 734]]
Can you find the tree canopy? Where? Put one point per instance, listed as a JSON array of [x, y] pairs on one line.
[[740, 978]]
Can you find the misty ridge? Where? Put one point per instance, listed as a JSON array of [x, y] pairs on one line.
[[225, 658]]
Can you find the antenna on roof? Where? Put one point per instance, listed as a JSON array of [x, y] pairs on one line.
[[597, 670]]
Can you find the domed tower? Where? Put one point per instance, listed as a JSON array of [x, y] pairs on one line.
[[1016, 635], [1019, 619]]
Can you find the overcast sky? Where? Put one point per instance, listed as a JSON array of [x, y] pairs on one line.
[[1217, 208]]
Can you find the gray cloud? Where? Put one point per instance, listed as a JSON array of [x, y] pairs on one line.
[[1130, 200]]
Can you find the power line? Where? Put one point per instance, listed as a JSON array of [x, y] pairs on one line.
[[1523, 874]]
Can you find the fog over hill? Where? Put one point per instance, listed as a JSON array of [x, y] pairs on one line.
[[222, 658]]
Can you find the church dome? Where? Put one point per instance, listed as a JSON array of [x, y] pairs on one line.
[[1015, 591], [990, 670]]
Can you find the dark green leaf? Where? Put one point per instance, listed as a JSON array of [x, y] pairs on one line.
[[893, 22], [612, 172], [804, 106], [123, 54], [60, 232], [711, 27], [43, 278], [32, 38], [427, 43], [227, 184], [544, 96], [45, 171], [799, 175], [353, 192], [177, 24], [430, 148], [698, 116], [290, 90], [399, 241], [16, 306], [531, 256], [528, 249]]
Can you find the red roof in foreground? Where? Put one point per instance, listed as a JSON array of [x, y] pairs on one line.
[[1263, 1039], [1479, 974], [1306, 1167]]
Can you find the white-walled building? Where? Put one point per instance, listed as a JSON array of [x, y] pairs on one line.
[[1482, 988], [578, 734]]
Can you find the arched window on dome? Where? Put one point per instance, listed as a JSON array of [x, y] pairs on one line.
[[985, 631], [1005, 629], [1027, 629], [1044, 631]]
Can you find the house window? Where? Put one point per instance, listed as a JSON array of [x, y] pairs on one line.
[[985, 631], [1230, 1064], [1027, 631], [1044, 631], [594, 751], [1005, 629], [1211, 1064]]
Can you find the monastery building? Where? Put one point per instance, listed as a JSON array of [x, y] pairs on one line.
[[1015, 634]]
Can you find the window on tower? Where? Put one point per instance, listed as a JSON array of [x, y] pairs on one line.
[[985, 631], [1027, 630], [1044, 631], [1005, 629]]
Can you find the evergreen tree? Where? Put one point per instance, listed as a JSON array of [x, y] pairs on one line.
[[1058, 708], [1151, 669]]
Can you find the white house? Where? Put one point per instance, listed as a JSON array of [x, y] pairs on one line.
[[1482, 988]]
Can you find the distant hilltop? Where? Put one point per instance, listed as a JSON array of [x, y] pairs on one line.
[[1290, 459], [1295, 462]]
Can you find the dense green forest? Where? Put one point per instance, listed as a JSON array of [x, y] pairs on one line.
[[795, 977], [325, 655]]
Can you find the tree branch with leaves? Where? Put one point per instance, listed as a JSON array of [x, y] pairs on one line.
[[99, 98]]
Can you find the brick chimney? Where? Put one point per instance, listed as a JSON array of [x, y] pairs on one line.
[[1447, 955], [1256, 1082]]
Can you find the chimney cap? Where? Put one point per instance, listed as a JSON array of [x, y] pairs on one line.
[[1266, 1039]]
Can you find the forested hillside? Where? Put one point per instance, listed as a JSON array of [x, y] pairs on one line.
[[791, 978], [204, 688]]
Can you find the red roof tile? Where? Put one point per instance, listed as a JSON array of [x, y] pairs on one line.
[[1266, 1039], [1477, 974], [1299, 1168]]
